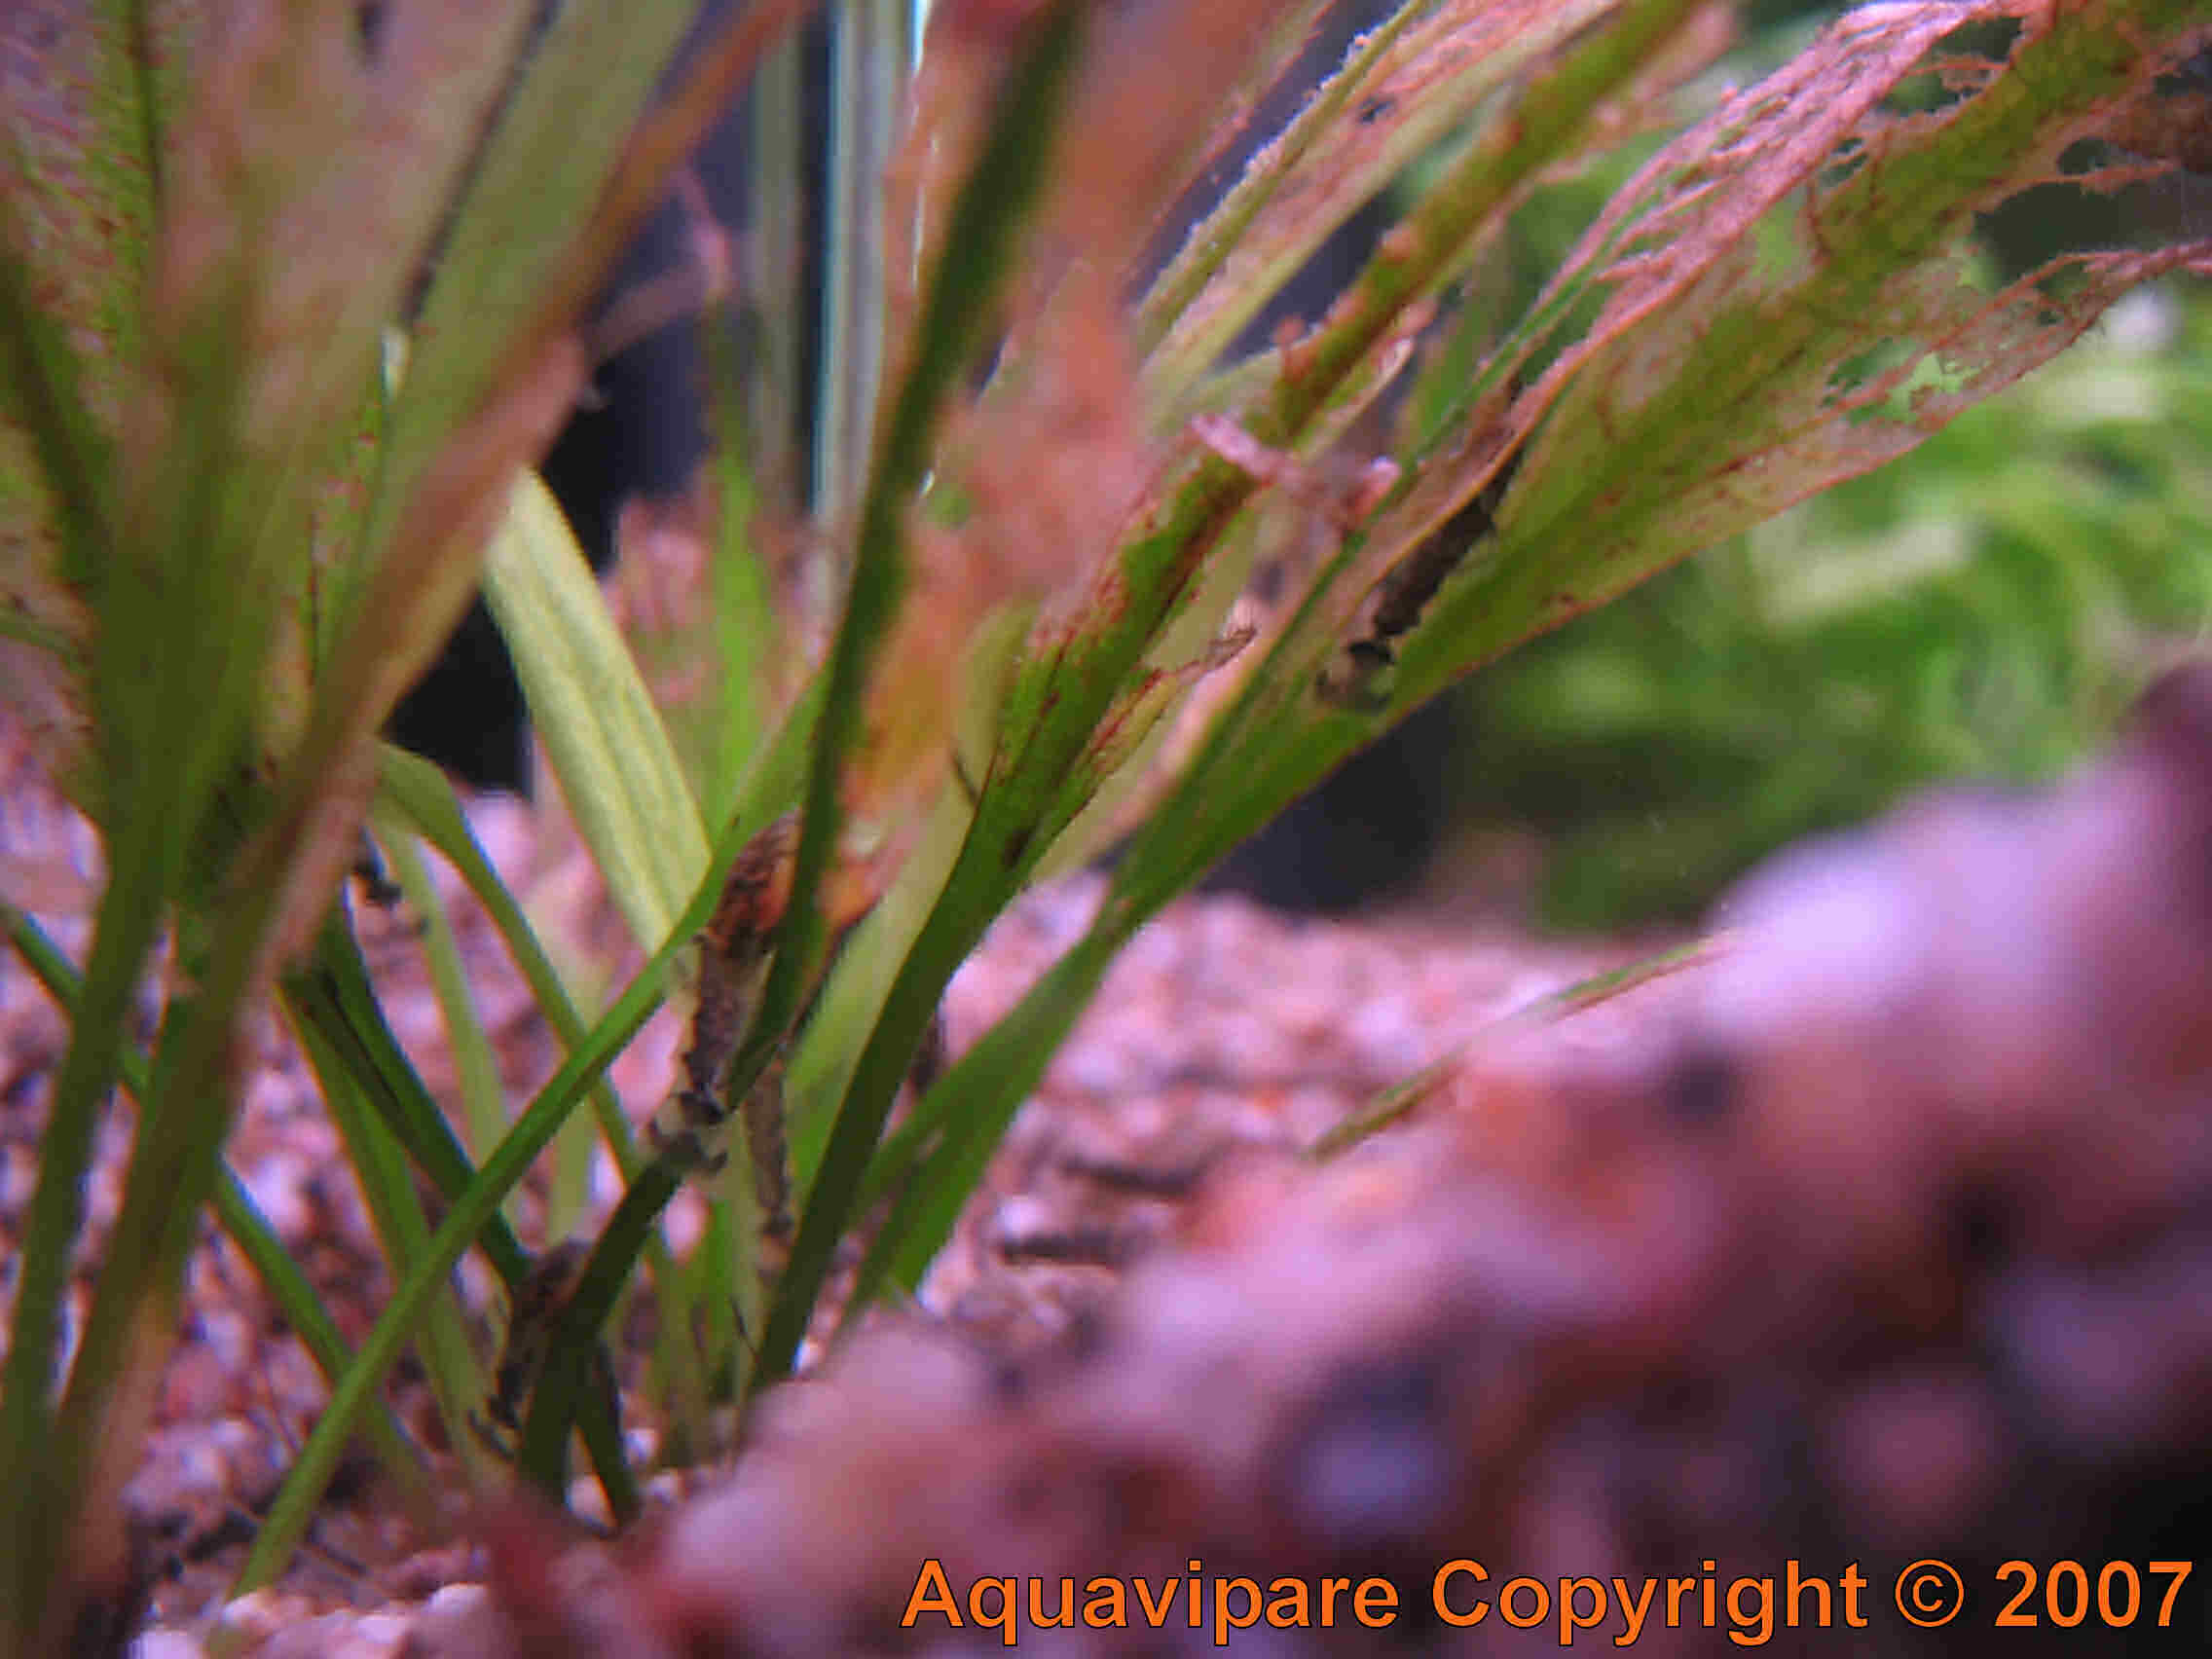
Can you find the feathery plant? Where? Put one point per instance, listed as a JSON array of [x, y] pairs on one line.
[[1989, 620], [290, 295]]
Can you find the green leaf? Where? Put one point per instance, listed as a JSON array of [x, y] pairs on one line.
[[978, 250], [287, 1286], [419, 791], [871, 46], [617, 769], [379, 1168], [475, 1208], [475, 1064], [769, 789], [512, 242]]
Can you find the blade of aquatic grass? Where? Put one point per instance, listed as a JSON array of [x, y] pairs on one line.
[[748, 632], [1050, 751], [969, 1109], [493, 367], [475, 1066], [1426, 71], [310, 175], [852, 997], [771, 785], [381, 1169], [1283, 44], [869, 50], [1273, 739], [774, 264], [174, 708], [419, 792], [98, 1036], [174, 704], [512, 245], [511, 1161], [980, 244], [711, 1287], [1046, 720], [573, 165], [1402, 1097], [177, 710], [174, 1167], [79, 167], [562, 1386], [79, 179], [288, 1287], [933, 1170], [333, 997], [1216, 237], [1736, 377], [62, 488], [617, 769], [303, 1310], [977, 251]]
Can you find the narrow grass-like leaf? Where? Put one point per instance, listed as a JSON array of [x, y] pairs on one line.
[[1278, 739], [1400, 1098], [175, 1161], [387, 1183], [972, 1105], [333, 997], [173, 706], [77, 165], [852, 997], [771, 785], [263, 348], [513, 235], [310, 175], [1274, 740], [1215, 238], [475, 1065], [978, 250], [1062, 693], [619, 772], [542, 1455], [1772, 319], [974, 264], [774, 264], [78, 181], [419, 792], [289, 1516], [295, 1298], [1417, 77], [54, 463], [124, 933], [871, 48], [242, 1219], [747, 634]]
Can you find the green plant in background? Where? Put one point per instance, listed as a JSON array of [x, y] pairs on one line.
[[1984, 610], [246, 477]]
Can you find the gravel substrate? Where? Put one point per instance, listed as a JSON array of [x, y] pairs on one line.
[[1883, 1233], [1223, 1032], [1852, 1293]]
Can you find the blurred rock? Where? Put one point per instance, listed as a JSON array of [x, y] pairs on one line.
[[1888, 1235]]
